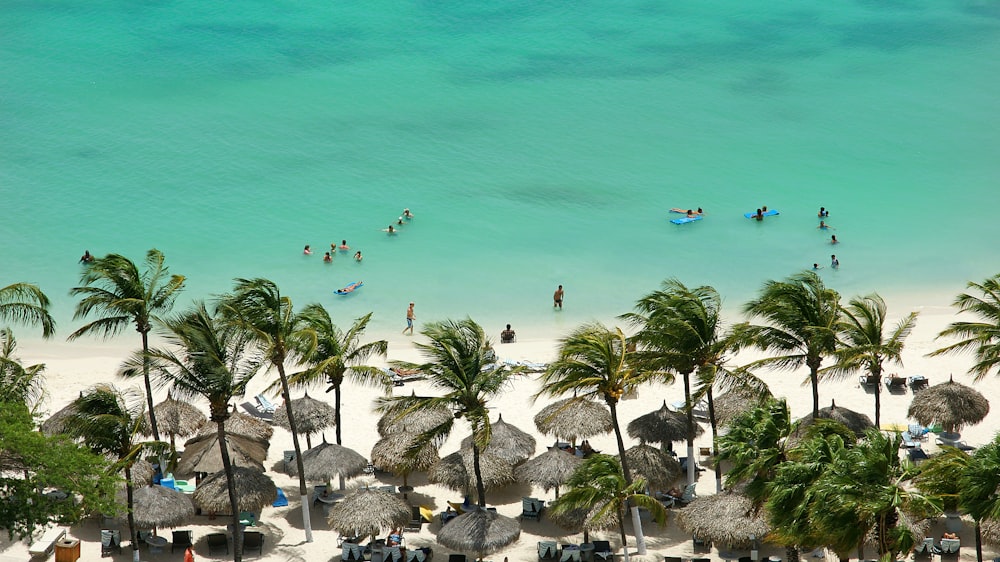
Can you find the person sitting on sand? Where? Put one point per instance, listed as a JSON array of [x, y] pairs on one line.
[[307, 251], [507, 336], [357, 256], [327, 258]]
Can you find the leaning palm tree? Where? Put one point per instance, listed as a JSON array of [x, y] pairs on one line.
[[981, 338], [257, 307], [18, 383], [594, 361], [205, 359], [115, 290], [681, 331], [599, 489], [336, 355], [979, 490], [800, 315], [755, 445], [461, 363], [25, 303], [109, 420], [864, 343]]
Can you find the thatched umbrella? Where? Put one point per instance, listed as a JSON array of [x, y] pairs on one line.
[[506, 442], [656, 467], [326, 460], [156, 506], [311, 416], [549, 469], [727, 518], [366, 512], [857, 422], [479, 531], [56, 422], [142, 473], [239, 423], [202, 454], [574, 418], [661, 426], [990, 529], [177, 418], [254, 490], [580, 520], [919, 528], [951, 404], [733, 403], [455, 471], [417, 421], [391, 455]]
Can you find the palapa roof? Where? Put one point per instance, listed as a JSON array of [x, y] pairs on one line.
[[951, 404], [327, 460], [727, 518], [661, 426], [157, 506], [389, 454], [202, 454], [311, 415], [55, 424], [580, 519], [574, 418], [455, 471], [857, 422], [549, 469], [479, 531], [506, 442], [254, 490], [366, 512], [990, 529], [656, 467], [239, 423], [176, 417], [919, 528], [733, 403], [417, 421]]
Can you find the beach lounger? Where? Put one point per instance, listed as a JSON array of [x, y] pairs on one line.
[[700, 543], [917, 455], [253, 541], [457, 558], [416, 519], [602, 551], [263, 404], [950, 546], [570, 553], [418, 554], [918, 382], [687, 496], [917, 431], [218, 542], [111, 540], [531, 508], [182, 540], [927, 547], [674, 558], [868, 380], [895, 384], [908, 442], [548, 550], [351, 552]]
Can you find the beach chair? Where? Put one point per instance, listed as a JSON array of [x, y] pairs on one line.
[[391, 554], [687, 496], [531, 508], [548, 550], [895, 384], [918, 382], [457, 558], [253, 541], [602, 551], [218, 542], [351, 552], [419, 554], [281, 500], [674, 558], [927, 547], [917, 455], [416, 519], [917, 431], [288, 459], [950, 546], [182, 540], [570, 553], [868, 380], [907, 441], [389, 489], [111, 540], [700, 543], [264, 405]]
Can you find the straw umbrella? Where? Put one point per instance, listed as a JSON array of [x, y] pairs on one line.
[[327, 460], [656, 467], [157, 506], [177, 418], [857, 422], [416, 422], [990, 530], [733, 403], [728, 518], [574, 418], [455, 471], [480, 531], [254, 490], [391, 454], [202, 454], [239, 423], [506, 442], [549, 469], [951, 404], [662, 426], [580, 520], [311, 416], [56, 422], [366, 512], [142, 473]]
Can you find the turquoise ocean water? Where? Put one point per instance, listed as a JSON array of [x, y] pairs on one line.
[[537, 143]]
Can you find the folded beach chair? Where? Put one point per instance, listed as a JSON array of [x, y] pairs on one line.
[[111, 540], [416, 519], [182, 540], [602, 551], [350, 552], [531, 508], [950, 546], [418, 554], [218, 542], [570, 553], [548, 550]]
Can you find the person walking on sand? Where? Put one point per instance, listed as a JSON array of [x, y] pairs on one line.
[[557, 298], [410, 317]]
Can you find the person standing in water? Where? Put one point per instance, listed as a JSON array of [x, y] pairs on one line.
[[410, 317], [834, 262], [557, 298]]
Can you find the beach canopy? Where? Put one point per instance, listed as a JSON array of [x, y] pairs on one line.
[[582, 520], [417, 421], [311, 415], [366, 512], [391, 454], [919, 528], [574, 418], [733, 403], [254, 490], [506, 442], [549, 470], [142, 472], [327, 460], [661, 426], [56, 423], [239, 423], [479, 531], [656, 467], [857, 422], [455, 471], [727, 518], [951, 404], [202, 454], [157, 506], [178, 418], [990, 529]]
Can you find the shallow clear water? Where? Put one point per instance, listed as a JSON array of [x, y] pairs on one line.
[[537, 143]]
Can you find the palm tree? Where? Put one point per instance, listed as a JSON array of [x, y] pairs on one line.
[[981, 338], [210, 361], [258, 308], [600, 489], [461, 363], [864, 344], [681, 331], [755, 445], [594, 361], [115, 289], [338, 354], [26, 304], [18, 383], [109, 420], [979, 492], [800, 316]]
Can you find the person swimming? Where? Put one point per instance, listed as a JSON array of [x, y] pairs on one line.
[[343, 246], [327, 258], [86, 257], [306, 250], [407, 214], [390, 230], [824, 226], [759, 215], [833, 239], [823, 213], [357, 256]]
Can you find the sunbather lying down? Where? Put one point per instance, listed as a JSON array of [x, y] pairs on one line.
[[404, 372]]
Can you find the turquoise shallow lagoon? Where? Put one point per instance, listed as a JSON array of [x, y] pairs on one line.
[[537, 143]]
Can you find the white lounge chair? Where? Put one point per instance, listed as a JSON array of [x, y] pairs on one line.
[[264, 405], [950, 546], [47, 542]]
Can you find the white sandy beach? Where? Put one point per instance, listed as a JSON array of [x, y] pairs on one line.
[[72, 367]]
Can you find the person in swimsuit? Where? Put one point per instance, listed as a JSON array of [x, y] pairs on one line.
[[86, 257], [823, 213], [834, 262], [508, 335], [557, 298], [327, 258], [407, 214], [343, 246], [759, 215], [824, 226], [410, 317], [833, 239], [357, 256], [307, 251]]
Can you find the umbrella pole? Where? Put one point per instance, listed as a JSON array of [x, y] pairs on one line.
[[309, 444]]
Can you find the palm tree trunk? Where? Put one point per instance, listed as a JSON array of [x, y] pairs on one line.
[[227, 465], [480, 488], [149, 386], [303, 492], [715, 439], [690, 427], [878, 401], [979, 543], [132, 535], [621, 529], [814, 380], [336, 411], [792, 554], [640, 539]]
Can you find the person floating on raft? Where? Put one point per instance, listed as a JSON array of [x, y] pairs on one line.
[[350, 288]]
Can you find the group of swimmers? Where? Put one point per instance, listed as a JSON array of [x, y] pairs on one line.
[[407, 215], [328, 257], [823, 215]]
